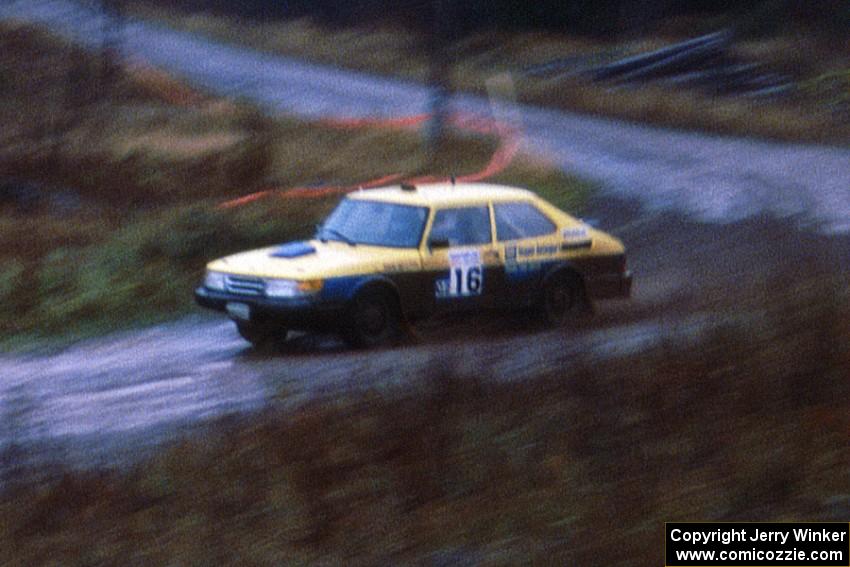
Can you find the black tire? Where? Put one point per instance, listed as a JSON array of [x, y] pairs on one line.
[[262, 335], [373, 319], [562, 299]]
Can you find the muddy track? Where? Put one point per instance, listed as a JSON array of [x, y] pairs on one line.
[[664, 193]]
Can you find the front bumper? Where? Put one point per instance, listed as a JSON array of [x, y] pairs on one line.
[[295, 313]]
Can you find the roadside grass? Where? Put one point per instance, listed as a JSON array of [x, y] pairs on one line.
[[578, 465], [142, 171], [788, 121], [807, 115]]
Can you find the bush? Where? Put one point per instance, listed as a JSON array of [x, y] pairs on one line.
[[143, 271]]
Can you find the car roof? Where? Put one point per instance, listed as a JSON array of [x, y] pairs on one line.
[[444, 194]]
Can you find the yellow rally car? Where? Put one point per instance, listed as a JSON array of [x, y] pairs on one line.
[[388, 256]]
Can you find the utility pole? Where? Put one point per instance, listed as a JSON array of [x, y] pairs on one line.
[[112, 28], [438, 79]]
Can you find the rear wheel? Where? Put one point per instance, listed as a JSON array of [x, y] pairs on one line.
[[261, 335], [373, 319], [562, 299]]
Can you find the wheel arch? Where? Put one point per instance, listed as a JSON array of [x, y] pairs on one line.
[[566, 269], [393, 322], [379, 284]]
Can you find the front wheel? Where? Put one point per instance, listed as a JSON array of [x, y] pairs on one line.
[[562, 299], [373, 319], [261, 335]]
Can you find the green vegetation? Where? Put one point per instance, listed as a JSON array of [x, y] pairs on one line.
[[804, 51], [569, 467], [150, 161]]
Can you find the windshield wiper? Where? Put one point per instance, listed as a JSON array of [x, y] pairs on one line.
[[337, 234]]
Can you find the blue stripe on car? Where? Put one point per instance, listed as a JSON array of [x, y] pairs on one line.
[[294, 250], [342, 288]]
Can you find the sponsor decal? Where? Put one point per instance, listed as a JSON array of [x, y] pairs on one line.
[[574, 233], [525, 251], [575, 237], [523, 267], [547, 249], [528, 258], [400, 267]]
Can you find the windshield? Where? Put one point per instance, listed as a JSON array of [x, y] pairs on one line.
[[375, 223]]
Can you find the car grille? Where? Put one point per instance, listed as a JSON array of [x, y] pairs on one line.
[[244, 286]]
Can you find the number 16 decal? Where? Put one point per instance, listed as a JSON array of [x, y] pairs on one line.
[[466, 280], [465, 277]]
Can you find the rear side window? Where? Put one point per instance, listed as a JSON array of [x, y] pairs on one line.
[[515, 221], [462, 227]]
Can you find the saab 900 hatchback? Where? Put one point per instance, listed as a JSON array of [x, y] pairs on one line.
[[391, 256]]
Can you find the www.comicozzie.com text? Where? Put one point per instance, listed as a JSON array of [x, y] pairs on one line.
[[740, 535]]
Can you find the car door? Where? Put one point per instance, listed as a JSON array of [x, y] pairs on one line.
[[528, 243], [460, 258]]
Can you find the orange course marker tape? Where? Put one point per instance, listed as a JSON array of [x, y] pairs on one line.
[[400, 122], [246, 199], [499, 161]]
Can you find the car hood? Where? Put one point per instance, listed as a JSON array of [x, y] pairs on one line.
[[314, 259]]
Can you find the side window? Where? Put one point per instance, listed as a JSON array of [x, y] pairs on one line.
[[515, 221], [462, 227]]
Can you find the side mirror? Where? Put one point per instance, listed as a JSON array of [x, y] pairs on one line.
[[437, 243]]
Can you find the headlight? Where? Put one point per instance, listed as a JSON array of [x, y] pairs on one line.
[[214, 280], [292, 288]]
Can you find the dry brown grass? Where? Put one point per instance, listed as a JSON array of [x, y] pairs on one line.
[[140, 144], [791, 121], [179, 147]]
